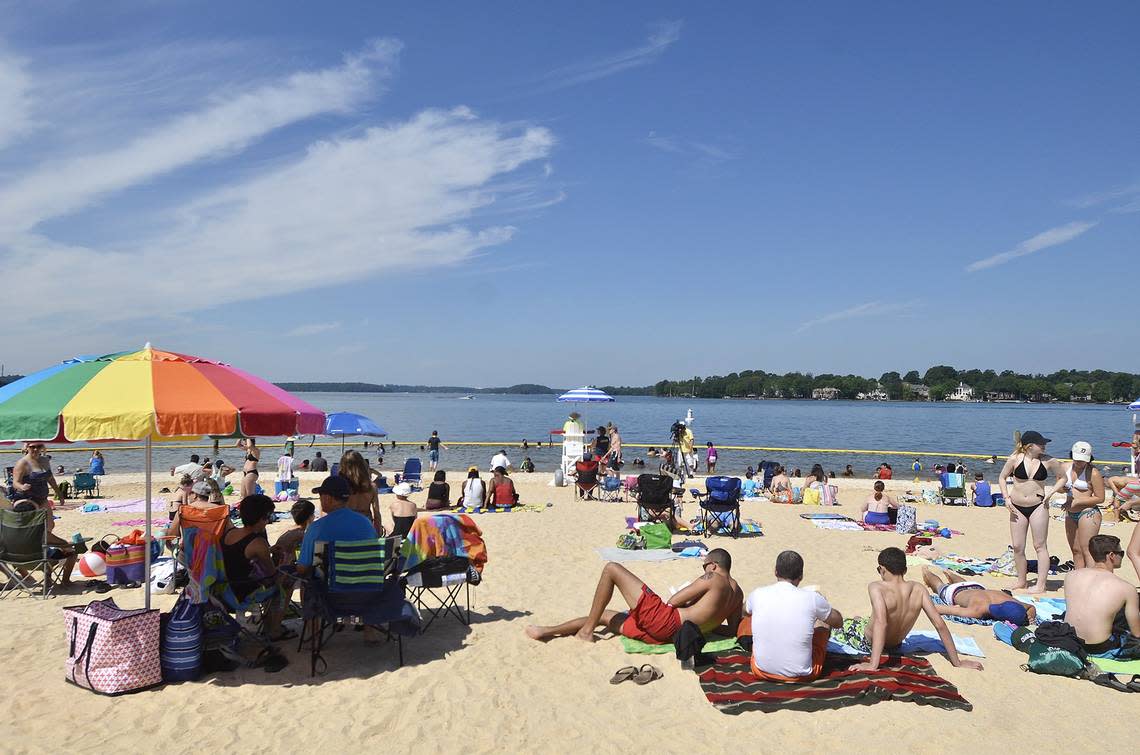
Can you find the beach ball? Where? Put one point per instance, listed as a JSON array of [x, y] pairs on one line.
[[92, 564]]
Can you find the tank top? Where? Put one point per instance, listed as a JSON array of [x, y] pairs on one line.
[[503, 494], [239, 569], [473, 492]]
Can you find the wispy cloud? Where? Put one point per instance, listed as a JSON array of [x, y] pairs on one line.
[[59, 187], [1044, 240], [15, 101], [662, 36], [868, 309], [403, 195], [677, 146], [313, 328]]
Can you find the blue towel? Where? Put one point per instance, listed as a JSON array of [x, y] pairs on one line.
[[918, 641], [960, 619]]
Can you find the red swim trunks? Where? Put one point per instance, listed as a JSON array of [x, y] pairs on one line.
[[652, 620]]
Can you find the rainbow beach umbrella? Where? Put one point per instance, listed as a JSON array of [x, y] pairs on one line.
[[148, 395]]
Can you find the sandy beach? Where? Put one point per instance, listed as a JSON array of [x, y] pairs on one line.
[[488, 687]]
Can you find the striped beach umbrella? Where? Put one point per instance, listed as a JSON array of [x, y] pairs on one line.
[[148, 395], [586, 395]]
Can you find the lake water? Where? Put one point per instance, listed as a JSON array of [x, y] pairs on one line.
[[931, 428]]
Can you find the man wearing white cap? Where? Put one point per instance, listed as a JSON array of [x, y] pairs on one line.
[[1084, 493]]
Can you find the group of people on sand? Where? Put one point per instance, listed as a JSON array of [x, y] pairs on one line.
[[786, 625]]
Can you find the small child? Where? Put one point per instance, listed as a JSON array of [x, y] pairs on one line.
[[710, 457], [284, 551], [749, 488]]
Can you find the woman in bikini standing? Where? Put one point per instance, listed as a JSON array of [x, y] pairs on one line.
[[1084, 495], [249, 473], [1027, 500], [363, 497]]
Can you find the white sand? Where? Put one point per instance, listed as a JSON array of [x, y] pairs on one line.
[[488, 687]]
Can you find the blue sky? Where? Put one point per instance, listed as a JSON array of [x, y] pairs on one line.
[[601, 193]]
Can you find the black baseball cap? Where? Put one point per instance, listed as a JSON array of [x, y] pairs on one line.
[[335, 486], [1032, 436]]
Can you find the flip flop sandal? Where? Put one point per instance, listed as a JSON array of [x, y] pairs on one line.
[[623, 674], [1110, 681], [647, 674], [1134, 683]]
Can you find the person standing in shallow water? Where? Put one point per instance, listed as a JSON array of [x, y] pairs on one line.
[[434, 444]]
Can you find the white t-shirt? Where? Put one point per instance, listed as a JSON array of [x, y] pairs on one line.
[[190, 468], [783, 621], [284, 468], [500, 460]]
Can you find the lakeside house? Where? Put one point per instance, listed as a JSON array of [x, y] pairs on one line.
[[962, 393], [876, 395], [825, 394], [917, 390], [1000, 396]]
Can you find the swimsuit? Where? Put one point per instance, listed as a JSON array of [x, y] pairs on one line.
[[239, 569], [856, 632], [947, 592], [1039, 476], [652, 620], [877, 517], [1081, 485]]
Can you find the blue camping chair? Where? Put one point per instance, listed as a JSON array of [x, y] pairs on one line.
[[720, 505], [412, 473], [355, 579], [953, 491], [86, 483]]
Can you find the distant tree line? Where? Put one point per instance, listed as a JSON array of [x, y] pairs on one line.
[[1100, 386]]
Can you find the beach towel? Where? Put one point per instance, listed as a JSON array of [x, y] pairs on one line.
[[960, 619], [135, 505], [731, 687], [842, 525], [841, 517], [496, 509], [876, 527], [444, 535], [1003, 632], [711, 646], [141, 523], [917, 642], [621, 554], [747, 529], [1048, 609]]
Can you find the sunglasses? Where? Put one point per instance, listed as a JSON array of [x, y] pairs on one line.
[[1119, 553]]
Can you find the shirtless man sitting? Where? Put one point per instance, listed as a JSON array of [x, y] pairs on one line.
[[895, 606], [972, 600], [1095, 596], [707, 602]]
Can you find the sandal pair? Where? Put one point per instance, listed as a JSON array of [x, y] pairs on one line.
[[640, 676]]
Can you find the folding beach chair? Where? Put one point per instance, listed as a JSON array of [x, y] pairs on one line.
[[953, 492], [767, 472], [630, 484], [412, 473], [200, 554], [86, 483], [720, 505], [610, 489], [355, 579], [585, 478], [655, 501], [24, 548], [443, 557]]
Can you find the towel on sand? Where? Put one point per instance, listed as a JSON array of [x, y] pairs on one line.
[[131, 506], [747, 529], [919, 641], [1048, 609], [843, 525], [731, 687], [960, 619], [711, 646]]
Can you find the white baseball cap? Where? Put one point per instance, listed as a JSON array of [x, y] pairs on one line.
[[1082, 451]]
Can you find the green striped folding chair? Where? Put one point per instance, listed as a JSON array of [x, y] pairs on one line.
[[24, 549], [356, 579]]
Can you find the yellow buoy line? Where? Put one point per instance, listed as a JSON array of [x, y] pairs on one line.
[[299, 445]]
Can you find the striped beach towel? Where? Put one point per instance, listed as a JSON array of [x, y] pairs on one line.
[[731, 687], [747, 529]]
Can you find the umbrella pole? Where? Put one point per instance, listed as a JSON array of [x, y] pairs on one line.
[[147, 540]]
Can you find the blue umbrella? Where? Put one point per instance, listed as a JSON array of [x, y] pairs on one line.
[[585, 395], [350, 423]]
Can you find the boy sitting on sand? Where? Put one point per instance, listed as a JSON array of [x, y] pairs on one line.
[[895, 605], [971, 600], [707, 602]]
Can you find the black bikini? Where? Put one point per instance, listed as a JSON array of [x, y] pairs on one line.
[[1039, 476]]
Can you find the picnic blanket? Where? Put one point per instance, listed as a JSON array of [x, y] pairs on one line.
[[711, 646], [918, 641], [732, 688]]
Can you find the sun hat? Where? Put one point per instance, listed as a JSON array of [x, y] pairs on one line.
[[335, 486], [1082, 451], [202, 488], [403, 489]]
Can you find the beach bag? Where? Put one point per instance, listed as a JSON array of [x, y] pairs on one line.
[[631, 542], [112, 651], [657, 536], [125, 562], [907, 521], [180, 651], [1044, 659], [811, 497]]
